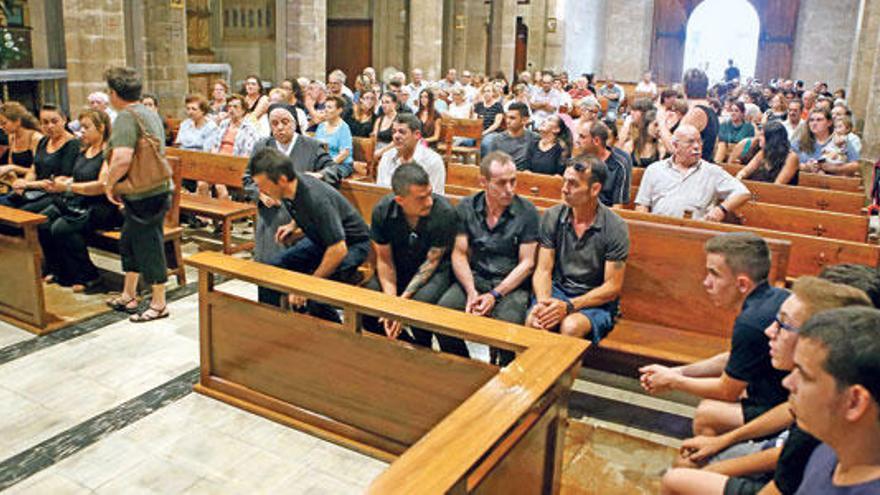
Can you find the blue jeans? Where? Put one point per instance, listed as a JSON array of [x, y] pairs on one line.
[[304, 257], [601, 317]]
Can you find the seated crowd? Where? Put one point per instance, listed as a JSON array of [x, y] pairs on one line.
[[791, 408]]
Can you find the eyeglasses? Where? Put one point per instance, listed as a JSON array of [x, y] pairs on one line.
[[785, 326]]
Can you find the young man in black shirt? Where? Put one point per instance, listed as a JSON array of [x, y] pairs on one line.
[[413, 231], [495, 249], [336, 239], [737, 266], [754, 454]]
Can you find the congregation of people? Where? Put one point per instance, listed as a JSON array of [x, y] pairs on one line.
[[793, 407]]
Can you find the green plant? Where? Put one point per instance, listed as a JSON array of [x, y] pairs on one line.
[[12, 47]]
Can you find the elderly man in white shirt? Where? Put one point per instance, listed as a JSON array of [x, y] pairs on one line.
[[406, 134], [686, 183]]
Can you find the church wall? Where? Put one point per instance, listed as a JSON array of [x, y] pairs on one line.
[[94, 37], [245, 56], [349, 9], [826, 31], [628, 28]]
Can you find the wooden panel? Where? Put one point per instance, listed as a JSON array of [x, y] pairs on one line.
[[21, 285], [667, 45], [803, 221], [349, 377], [818, 181], [210, 167], [349, 46], [664, 343], [776, 42]]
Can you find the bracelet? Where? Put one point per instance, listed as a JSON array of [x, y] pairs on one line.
[[497, 295], [569, 306]]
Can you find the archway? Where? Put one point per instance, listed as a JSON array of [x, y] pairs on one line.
[[719, 30]]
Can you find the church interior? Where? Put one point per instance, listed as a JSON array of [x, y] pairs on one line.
[[439, 246]]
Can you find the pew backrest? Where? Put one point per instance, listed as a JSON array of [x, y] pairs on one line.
[[214, 168]]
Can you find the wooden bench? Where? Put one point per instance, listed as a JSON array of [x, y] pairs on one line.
[[818, 181], [451, 128], [809, 253], [216, 169], [446, 424], [773, 217], [22, 301], [363, 151], [663, 285], [173, 232]]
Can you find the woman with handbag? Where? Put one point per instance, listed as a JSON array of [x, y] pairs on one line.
[[53, 158], [80, 207], [139, 179]]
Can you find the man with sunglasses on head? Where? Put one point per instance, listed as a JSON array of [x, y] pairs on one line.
[[583, 247], [756, 457]]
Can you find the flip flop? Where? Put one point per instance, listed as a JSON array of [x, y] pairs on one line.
[[120, 304]]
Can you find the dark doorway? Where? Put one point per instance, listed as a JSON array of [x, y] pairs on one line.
[[522, 46], [349, 47]]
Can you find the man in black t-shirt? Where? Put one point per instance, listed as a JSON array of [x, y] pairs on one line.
[[737, 266], [755, 452], [336, 239], [413, 231]]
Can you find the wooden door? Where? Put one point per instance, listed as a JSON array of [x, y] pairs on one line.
[[522, 45], [349, 47], [776, 44]]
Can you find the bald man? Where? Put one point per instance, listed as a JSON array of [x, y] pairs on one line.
[[685, 185]]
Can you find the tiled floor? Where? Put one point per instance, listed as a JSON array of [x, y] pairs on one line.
[[87, 414]]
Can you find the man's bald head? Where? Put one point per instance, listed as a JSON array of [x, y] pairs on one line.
[[688, 145]]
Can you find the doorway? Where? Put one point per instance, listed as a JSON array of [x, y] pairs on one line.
[[522, 48], [349, 46]]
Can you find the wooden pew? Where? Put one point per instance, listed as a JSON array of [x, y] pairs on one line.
[[460, 128], [818, 181], [774, 217], [363, 151], [216, 169], [22, 302], [663, 285], [447, 424], [173, 233], [809, 253]]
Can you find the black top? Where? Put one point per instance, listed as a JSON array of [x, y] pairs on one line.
[[764, 174], [550, 162], [324, 215], [731, 73], [21, 158], [793, 460], [410, 246], [615, 190], [57, 164], [644, 161], [709, 135], [87, 170], [579, 264], [488, 114], [749, 359], [385, 136], [358, 128], [494, 253]]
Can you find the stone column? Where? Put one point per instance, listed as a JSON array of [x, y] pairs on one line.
[[864, 55], [869, 84], [502, 42], [304, 35], [162, 58], [426, 37], [94, 38]]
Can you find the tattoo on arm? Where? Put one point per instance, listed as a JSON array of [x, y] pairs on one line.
[[432, 260]]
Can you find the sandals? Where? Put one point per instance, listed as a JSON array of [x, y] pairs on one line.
[[122, 304], [150, 314]]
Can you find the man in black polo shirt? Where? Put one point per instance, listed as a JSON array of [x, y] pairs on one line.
[[737, 265], [581, 259], [592, 138], [413, 231], [494, 252], [336, 238]]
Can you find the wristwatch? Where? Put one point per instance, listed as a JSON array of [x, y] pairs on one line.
[[497, 295], [569, 306]]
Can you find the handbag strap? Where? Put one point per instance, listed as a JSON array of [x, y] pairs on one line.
[[142, 129]]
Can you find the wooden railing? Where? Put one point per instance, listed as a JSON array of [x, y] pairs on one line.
[[450, 425]]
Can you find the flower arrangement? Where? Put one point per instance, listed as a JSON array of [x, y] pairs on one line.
[[11, 47]]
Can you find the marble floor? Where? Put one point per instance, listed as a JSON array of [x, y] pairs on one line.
[[106, 406]]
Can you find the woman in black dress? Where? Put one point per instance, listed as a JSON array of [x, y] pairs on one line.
[[53, 158], [776, 162], [363, 114], [549, 154], [80, 207], [23, 132]]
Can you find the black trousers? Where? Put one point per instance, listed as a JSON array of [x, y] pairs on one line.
[[429, 293], [142, 242], [63, 241]]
